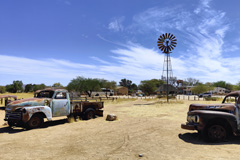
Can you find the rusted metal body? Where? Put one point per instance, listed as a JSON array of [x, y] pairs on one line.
[[7, 98], [48, 103], [202, 117]]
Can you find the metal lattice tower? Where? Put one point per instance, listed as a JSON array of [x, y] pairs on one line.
[[167, 67], [166, 43]]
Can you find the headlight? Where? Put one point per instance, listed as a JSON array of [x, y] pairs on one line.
[[46, 103], [193, 118], [24, 110]]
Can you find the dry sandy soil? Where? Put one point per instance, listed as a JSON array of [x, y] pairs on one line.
[[150, 128]]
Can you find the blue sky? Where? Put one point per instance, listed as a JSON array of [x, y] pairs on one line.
[[48, 41]]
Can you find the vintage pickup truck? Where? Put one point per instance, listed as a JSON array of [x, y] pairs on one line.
[[215, 122], [49, 103]]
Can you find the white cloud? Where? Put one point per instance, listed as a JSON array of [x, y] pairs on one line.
[[202, 34], [116, 24], [43, 70]]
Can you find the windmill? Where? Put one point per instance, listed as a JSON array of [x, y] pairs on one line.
[[166, 43]]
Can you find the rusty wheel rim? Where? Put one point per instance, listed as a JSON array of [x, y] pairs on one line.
[[35, 122], [90, 115], [217, 133]]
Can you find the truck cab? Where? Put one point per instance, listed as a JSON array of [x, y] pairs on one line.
[[215, 122]]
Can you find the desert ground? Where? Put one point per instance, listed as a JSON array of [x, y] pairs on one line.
[[150, 128]]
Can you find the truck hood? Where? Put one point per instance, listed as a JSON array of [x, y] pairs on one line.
[[26, 103], [216, 107]]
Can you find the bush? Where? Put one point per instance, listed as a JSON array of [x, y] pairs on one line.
[[164, 96], [211, 98], [2, 89]]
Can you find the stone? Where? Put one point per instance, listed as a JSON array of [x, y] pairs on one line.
[[111, 117]]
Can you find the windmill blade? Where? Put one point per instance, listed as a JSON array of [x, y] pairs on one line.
[[166, 35], [173, 37], [160, 47], [174, 45], [169, 49], [174, 40], [165, 50], [159, 44], [163, 36], [169, 35]]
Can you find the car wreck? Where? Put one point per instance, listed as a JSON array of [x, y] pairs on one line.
[[215, 122], [49, 103], [5, 99]]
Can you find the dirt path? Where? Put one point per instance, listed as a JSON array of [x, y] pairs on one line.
[[144, 127]]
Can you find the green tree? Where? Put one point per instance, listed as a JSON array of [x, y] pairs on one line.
[[201, 88], [157, 82], [15, 87], [87, 85], [9, 88], [223, 84], [28, 88], [125, 83], [191, 82], [38, 87], [237, 86], [58, 84], [2, 89], [148, 87], [132, 87]]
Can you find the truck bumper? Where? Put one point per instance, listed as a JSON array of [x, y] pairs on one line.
[[189, 126]]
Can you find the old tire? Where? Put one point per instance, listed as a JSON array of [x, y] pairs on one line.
[[89, 114], [10, 123], [36, 121], [216, 133]]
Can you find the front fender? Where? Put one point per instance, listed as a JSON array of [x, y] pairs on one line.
[[207, 115], [28, 112]]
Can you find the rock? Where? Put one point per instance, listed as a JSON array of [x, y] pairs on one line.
[[140, 155], [111, 117]]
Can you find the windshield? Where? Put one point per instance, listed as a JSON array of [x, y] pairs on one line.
[[45, 94], [230, 99]]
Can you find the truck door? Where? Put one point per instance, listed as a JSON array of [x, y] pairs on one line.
[[60, 104]]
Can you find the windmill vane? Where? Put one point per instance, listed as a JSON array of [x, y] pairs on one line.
[[167, 42]]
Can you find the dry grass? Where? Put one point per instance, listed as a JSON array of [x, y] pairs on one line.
[[20, 95], [151, 128]]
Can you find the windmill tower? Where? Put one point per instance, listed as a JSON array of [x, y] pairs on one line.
[[166, 43], [167, 69]]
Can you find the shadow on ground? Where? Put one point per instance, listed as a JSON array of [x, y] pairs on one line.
[[12, 130], [195, 138]]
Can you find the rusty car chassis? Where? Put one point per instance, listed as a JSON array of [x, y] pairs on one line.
[[215, 122], [49, 103]]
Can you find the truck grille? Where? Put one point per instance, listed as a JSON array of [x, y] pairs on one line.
[[13, 115]]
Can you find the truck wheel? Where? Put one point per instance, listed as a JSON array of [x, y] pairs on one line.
[[35, 122], [10, 123], [90, 114], [216, 133]]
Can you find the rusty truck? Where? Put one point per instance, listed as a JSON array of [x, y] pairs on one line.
[[215, 122], [48, 103]]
